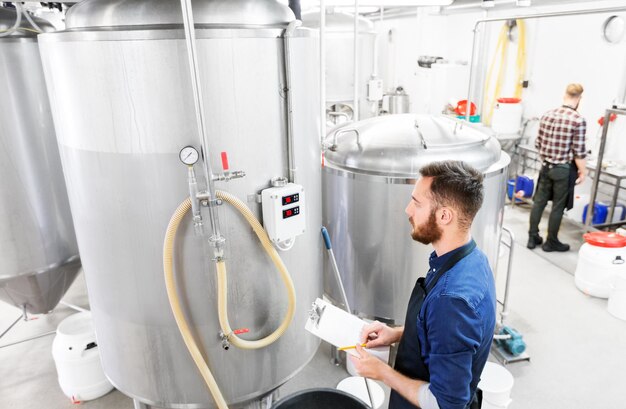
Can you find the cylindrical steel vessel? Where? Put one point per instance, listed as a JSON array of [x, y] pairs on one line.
[[397, 101], [38, 251], [370, 170], [339, 60], [122, 100]]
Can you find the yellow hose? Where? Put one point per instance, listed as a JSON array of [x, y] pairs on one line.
[[179, 316], [222, 305]]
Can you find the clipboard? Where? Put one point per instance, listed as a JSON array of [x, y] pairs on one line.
[[339, 328]]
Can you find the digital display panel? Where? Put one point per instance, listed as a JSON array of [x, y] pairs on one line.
[[294, 211], [287, 200]]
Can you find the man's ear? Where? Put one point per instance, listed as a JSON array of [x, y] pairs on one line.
[[445, 216]]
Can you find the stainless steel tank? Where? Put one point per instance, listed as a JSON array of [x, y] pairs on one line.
[[370, 169], [38, 251], [397, 101], [122, 101], [340, 61]]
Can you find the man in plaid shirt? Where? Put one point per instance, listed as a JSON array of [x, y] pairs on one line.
[[561, 146]]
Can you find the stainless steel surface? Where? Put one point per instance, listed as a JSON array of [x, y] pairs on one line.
[[366, 189], [118, 13], [25, 30], [398, 101], [340, 71], [132, 97], [510, 245], [37, 236], [216, 239]]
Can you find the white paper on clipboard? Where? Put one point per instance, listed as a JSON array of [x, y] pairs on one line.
[[339, 328]]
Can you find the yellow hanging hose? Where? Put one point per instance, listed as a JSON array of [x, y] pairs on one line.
[[520, 68], [179, 316], [172, 294], [222, 284]]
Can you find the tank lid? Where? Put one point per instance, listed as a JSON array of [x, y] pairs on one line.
[[399, 145], [336, 21], [605, 239], [7, 20], [228, 13]]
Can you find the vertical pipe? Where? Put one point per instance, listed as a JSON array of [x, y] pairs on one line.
[[355, 103], [322, 71], [288, 33], [190, 37], [596, 175]]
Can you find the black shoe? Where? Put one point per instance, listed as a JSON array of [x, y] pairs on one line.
[[550, 245], [534, 241]]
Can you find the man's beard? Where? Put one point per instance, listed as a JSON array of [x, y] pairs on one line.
[[428, 232]]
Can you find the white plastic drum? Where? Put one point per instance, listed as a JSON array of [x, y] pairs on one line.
[[507, 116], [599, 259], [355, 386], [617, 297], [77, 359], [496, 383]]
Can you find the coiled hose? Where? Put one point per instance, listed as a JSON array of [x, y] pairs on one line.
[[172, 294], [222, 282]]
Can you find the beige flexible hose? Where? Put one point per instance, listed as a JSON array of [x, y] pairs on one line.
[[172, 294], [179, 316], [222, 304]]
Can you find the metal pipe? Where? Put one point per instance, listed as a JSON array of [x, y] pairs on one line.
[[140, 405], [190, 39], [507, 285], [322, 71], [28, 339], [74, 307], [525, 17], [355, 112], [288, 33], [596, 175], [11, 326]]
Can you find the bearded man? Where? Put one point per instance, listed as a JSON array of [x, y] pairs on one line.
[[451, 315]]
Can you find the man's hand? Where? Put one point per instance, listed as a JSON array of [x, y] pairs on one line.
[[378, 334], [367, 365], [581, 176]]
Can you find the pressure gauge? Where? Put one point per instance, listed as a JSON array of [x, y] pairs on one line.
[[188, 155]]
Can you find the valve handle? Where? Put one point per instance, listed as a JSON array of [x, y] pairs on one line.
[[241, 331], [225, 161]]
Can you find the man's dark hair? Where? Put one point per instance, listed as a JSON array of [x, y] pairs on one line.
[[456, 184]]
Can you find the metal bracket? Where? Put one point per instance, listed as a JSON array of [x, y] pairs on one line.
[[315, 314]]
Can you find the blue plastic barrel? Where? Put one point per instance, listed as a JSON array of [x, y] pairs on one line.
[[600, 212], [524, 183]]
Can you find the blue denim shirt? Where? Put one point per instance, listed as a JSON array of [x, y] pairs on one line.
[[455, 327]]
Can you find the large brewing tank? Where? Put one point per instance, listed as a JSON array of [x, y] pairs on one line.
[[340, 63], [38, 251], [122, 100], [370, 170]]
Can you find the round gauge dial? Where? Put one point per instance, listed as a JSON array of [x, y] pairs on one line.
[[189, 155]]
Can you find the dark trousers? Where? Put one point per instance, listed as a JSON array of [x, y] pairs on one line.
[[553, 185]]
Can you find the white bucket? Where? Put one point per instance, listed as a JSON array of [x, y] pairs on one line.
[[355, 386], [596, 267], [507, 117], [77, 359], [488, 405], [617, 298], [496, 383]]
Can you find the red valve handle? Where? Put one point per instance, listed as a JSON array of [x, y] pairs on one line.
[[241, 331], [224, 161]]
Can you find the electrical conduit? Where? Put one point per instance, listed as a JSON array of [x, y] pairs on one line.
[[172, 294]]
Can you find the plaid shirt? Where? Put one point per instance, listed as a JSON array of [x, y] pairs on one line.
[[561, 135]]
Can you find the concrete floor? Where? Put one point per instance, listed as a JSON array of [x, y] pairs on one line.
[[577, 348]]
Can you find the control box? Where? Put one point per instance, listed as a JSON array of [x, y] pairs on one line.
[[284, 212], [375, 89]]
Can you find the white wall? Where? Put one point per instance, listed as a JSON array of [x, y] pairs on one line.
[[560, 50]]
